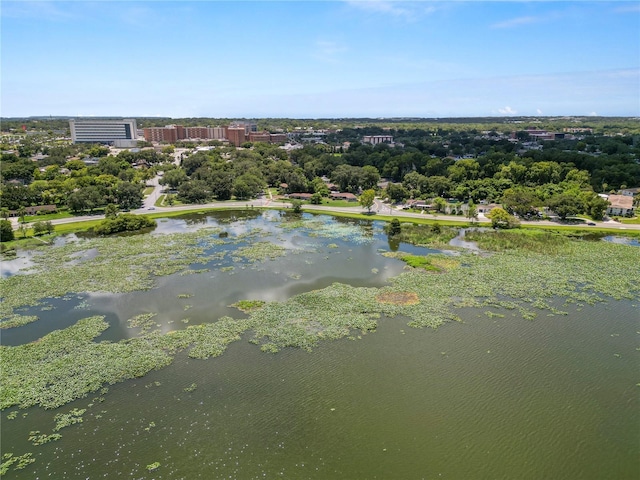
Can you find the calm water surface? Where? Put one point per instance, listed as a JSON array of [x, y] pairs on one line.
[[503, 398]]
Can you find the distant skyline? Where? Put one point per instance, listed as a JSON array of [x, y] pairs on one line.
[[305, 59]]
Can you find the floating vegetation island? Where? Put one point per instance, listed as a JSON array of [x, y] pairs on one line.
[[520, 277]]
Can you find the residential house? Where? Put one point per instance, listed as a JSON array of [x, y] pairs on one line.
[[620, 205], [349, 197]]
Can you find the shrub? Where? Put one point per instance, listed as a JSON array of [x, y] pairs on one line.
[[6, 231], [126, 222]]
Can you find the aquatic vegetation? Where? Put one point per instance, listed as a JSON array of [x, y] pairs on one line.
[[144, 321], [153, 466], [194, 272], [37, 438], [17, 320], [204, 340], [190, 388], [540, 241], [305, 319], [435, 236], [64, 420], [185, 295], [150, 426], [248, 305], [261, 251], [117, 265], [69, 364], [334, 228], [398, 298], [20, 462]]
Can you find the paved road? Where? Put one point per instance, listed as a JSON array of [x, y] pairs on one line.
[[379, 210]]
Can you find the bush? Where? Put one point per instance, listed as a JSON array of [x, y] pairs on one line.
[[126, 222], [6, 231]]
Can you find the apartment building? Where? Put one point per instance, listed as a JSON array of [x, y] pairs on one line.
[[376, 139], [161, 134]]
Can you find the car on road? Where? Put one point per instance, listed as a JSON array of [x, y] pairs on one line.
[[590, 223], [151, 208]]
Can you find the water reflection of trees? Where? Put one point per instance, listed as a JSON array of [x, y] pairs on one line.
[[223, 216]]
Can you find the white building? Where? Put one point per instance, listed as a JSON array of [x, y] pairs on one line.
[[103, 131]]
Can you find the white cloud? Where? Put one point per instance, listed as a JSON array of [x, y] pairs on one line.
[[634, 8], [38, 9], [538, 111], [328, 50], [516, 22], [593, 114], [507, 111], [406, 10]]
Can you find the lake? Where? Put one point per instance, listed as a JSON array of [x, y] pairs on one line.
[[491, 396]]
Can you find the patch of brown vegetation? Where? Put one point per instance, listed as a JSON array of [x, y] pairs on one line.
[[398, 298]]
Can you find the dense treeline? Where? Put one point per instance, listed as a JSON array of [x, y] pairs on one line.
[[429, 160], [600, 125], [62, 178]]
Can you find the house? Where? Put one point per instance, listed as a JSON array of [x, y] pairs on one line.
[[300, 196], [349, 197], [417, 204], [486, 208], [620, 205], [34, 210], [630, 192]]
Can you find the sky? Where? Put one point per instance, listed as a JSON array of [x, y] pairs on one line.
[[319, 59]]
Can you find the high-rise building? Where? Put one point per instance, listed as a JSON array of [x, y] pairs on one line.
[[103, 131], [161, 134], [236, 135]]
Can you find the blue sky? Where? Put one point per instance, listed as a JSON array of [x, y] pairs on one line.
[[306, 59]]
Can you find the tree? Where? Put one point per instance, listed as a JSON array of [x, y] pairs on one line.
[[370, 176], [565, 205], [394, 228], [4, 213], [472, 211], [367, 198], [173, 178], [520, 200], [500, 218], [440, 204], [6, 231], [129, 195], [240, 189], [316, 199], [39, 228], [596, 207], [221, 184], [49, 227], [297, 206], [22, 213], [111, 211], [396, 192]]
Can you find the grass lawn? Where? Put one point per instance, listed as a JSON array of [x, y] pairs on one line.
[[48, 216], [339, 203], [630, 221]]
